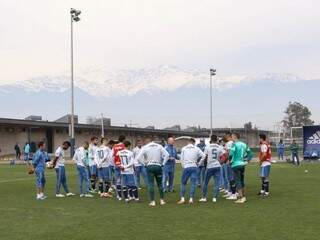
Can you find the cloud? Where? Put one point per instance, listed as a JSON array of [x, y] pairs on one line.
[[237, 37]]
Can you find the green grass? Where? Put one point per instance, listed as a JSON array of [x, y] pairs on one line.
[[291, 212]]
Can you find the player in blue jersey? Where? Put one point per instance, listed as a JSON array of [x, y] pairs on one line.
[[169, 167], [39, 165]]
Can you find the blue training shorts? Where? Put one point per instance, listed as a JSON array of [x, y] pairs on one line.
[[265, 171], [93, 171], [128, 180], [40, 178], [104, 174]]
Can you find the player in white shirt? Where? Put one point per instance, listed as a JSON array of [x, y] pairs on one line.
[[103, 159], [189, 158], [129, 188], [212, 152], [81, 158], [58, 163], [139, 168], [93, 170], [153, 156], [228, 173]]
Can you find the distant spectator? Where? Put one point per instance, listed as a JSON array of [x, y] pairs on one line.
[[26, 153], [281, 148], [17, 150], [294, 147]]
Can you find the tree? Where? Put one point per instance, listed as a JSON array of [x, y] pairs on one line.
[[296, 115], [248, 126]]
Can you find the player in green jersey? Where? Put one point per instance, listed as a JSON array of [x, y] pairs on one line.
[[239, 156]]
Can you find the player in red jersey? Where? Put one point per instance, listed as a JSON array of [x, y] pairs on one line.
[[117, 163], [265, 163]]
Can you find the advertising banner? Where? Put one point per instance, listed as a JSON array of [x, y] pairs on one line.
[[311, 141]]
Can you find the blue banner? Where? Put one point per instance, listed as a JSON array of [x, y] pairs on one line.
[[311, 141]]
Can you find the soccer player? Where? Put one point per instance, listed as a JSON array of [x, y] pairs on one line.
[[93, 170], [18, 151], [58, 163], [169, 167], [154, 156], [294, 148], [111, 143], [129, 188], [239, 154], [103, 159], [224, 184], [81, 158], [139, 169], [117, 162], [189, 158], [26, 153], [265, 163], [281, 148], [212, 152], [228, 173], [39, 165], [201, 167]]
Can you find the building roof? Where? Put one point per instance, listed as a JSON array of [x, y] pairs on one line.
[[78, 126]]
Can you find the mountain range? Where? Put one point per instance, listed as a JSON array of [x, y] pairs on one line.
[[161, 96]]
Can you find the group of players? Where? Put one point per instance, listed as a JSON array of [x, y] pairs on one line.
[[111, 168]]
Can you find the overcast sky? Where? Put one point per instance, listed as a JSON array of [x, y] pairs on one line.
[[236, 37]]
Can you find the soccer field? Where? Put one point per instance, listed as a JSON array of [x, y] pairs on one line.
[[291, 212]]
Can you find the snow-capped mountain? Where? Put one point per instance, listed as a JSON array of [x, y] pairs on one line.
[[101, 82], [161, 96]]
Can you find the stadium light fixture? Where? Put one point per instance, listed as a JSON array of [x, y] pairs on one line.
[[74, 16], [212, 73]]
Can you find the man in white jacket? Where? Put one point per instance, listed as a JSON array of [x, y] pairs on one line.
[[189, 157], [154, 156]]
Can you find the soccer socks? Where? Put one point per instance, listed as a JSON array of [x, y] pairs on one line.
[[107, 186], [262, 186], [134, 192], [119, 191], [101, 187], [93, 183], [125, 192], [233, 187], [130, 192], [266, 186]]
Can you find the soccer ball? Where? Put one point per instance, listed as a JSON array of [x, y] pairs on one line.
[[223, 158], [49, 165]]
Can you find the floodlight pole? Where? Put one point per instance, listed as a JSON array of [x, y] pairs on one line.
[[210, 105], [102, 126], [73, 17], [72, 140], [212, 73]]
